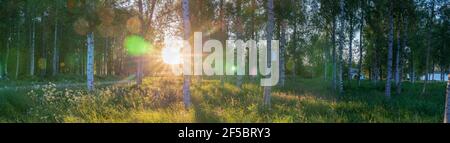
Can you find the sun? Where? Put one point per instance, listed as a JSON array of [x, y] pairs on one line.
[[171, 53]]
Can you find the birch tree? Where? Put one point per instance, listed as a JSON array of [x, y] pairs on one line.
[[17, 44], [270, 26], [447, 102], [90, 49], [90, 61], [350, 45], [398, 59], [8, 43], [55, 62], [187, 34], [341, 47], [361, 43], [390, 46], [33, 44], [429, 36]]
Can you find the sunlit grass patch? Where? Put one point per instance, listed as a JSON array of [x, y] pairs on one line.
[[160, 100]]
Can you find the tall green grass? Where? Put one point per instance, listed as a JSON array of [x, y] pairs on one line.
[[159, 100]]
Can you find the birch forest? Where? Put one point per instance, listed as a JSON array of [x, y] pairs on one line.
[[337, 61]]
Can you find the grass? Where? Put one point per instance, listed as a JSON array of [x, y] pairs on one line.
[[159, 100]]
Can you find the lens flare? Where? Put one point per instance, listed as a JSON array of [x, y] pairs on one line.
[[172, 52], [171, 55], [137, 46]]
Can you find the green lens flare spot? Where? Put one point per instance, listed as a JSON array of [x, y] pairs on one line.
[[137, 46]]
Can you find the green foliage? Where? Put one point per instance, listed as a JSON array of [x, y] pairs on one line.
[[301, 100]]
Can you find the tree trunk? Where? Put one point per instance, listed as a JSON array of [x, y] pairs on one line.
[[361, 44], [283, 43], [433, 67], [447, 102], [240, 36], [390, 46], [90, 61], [398, 56], [187, 33], [139, 70], [333, 42], [294, 61], [43, 59], [427, 70], [8, 42], [144, 28], [350, 49], [376, 63], [270, 26], [55, 48], [341, 48], [33, 48], [17, 52]]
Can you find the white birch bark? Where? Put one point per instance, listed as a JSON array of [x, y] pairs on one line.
[[90, 61], [390, 46], [17, 53], [427, 66], [284, 24], [447, 102], [333, 41], [350, 48], [270, 25], [33, 48], [55, 48], [361, 44], [187, 33], [8, 42], [341, 48]]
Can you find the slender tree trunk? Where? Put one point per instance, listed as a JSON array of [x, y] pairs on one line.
[[81, 64], [376, 64], [447, 102], [333, 42], [350, 49], [294, 61], [270, 26], [398, 56], [405, 44], [140, 68], [144, 28], [18, 52], [90, 61], [390, 46], [104, 65], [187, 33], [361, 44], [254, 29], [33, 48], [341, 48], [8, 42], [427, 70], [240, 35], [283, 43], [433, 67], [111, 58], [43, 59], [55, 48], [326, 62], [412, 74]]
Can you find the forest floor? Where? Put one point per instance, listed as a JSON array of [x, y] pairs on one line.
[[159, 100]]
